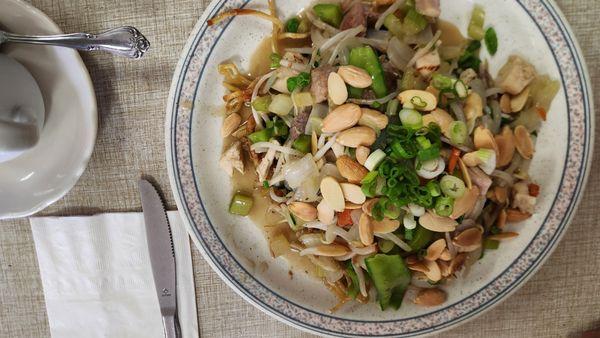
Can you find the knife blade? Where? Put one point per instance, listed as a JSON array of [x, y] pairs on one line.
[[162, 256]]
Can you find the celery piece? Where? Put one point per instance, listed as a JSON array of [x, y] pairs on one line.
[[330, 14], [241, 204]]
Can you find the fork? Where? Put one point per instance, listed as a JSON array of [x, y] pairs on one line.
[[124, 41]]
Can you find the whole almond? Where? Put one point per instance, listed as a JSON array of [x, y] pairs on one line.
[[305, 211], [373, 118], [230, 124], [517, 102], [350, 169], [357, 136], [341, 118], [333, 194], [362, 153], [505, 104], [356, 77], [430, 297], [336, 88], [523, 142]]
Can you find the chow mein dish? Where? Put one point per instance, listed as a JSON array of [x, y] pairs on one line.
[[376, 150]]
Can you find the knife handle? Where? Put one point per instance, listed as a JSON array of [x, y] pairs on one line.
[[171, 326]]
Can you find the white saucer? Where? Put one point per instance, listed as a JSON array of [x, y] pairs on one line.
[[47, 172]]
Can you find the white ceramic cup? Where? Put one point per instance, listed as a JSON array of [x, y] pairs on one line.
[[22, 111]]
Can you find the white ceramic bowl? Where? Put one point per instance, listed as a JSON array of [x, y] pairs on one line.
[[236, 249], [48, 171]]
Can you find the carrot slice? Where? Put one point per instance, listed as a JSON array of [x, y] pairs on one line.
[[344, 218], [453, 160], [534, 189], [542, 112]]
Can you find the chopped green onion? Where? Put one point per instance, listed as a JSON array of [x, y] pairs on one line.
[[374, 159], [475, 29], [490, 244], [452, 186], [460, 88], [469, 59], [370, 177], [241, 205], [298, 82], [491, 41], [281, 104], [393, 24], [392, 107], [444, 206], [433, 187], [302, 143], [429, 154], [385, 245], [408, 234], [275, 60], [261, 103], [442, 82], [266, 184], [458, 132], [280, 129], [418, 102], [423, 142], [292, 25], [414, 22], [411, 118], [353, 287], [329, 13], [263, 135]]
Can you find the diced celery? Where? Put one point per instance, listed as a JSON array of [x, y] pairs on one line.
[[475, 30], [281, 104], [414, 22], [302, 143], [241, 204], [329, 13], [261, 103]]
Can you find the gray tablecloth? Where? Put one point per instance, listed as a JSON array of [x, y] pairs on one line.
[[562, 299]]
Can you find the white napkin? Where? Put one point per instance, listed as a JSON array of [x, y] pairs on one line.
[[97, 276]]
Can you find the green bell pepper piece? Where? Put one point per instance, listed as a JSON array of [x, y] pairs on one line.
[[330, 14], [390, 277], [365, 58], [421, 237], [353, 288], [263, 135], [302, 143]]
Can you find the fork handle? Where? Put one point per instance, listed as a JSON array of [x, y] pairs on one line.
[[124, 41]]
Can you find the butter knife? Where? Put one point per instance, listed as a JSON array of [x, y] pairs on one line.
[[162, 256]]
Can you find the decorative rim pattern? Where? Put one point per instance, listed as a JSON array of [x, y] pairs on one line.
[[575, 81]]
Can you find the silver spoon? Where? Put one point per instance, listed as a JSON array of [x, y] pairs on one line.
[[124, 41]]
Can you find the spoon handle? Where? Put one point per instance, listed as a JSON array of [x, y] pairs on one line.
[[124, 41]]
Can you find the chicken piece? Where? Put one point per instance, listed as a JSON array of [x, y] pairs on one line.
[[428, 7], [354, 17], [515, 75], [299, 123], [265, 164], [524, 202], [318, 82], [232, 159], [428, 63]]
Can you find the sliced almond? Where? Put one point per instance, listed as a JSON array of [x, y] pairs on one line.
[[468, 240], [350, 169], [506, 147], [434, 251], [373, 118], [418, 266], [353, 206], [465, 173], [314, 141], [353, 193], [457, 262], [483, 138], [418, 99], [365, 229], [437, 223], [514, 215], [501, 220], [444, 268], [230, 124], [473, 106], [472, 159], [332, 193], [341, 118], [354, 76], [465, 203], [446, 255], [434, 274], [505, 104], [325, 213], [385, 226], [305, 211], [412, 259], [523, 142], [367, 207], [357, 136], [336, 88], [430, 297], [501, 194], [518, 102], [362, 153], [503, 236]]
